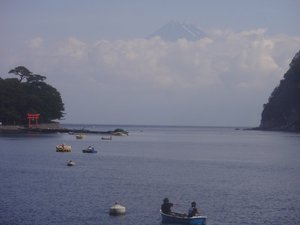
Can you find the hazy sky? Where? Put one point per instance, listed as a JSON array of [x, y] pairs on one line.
[[96, 53]]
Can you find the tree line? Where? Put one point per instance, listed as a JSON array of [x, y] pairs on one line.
[[29, 93]]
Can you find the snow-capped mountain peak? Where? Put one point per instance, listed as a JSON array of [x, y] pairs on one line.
[[173, 31]]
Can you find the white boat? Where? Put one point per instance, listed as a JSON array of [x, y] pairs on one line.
[[117, 209], [71, 163], [80, 136], [63, 148]]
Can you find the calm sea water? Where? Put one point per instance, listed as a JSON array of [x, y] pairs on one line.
[[235, 176]]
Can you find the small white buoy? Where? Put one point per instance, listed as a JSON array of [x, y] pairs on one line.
[[117, 209]]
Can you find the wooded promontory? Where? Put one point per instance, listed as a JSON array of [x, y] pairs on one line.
[[282, 112], [28, 93]]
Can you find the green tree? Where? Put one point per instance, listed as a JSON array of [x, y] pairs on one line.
[[24, 73], [18, 98]]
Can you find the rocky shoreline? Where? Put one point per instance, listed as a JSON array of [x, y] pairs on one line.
[[284, 129], [51, 128]]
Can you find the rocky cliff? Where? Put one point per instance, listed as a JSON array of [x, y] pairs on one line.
[[282, 112]]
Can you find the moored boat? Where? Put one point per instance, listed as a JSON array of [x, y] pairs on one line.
[[63, 148], [89, 149], [180, 218], [71, 163], [80, 136], [109, 138]]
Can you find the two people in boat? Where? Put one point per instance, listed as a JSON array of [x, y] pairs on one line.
[[167, 205]]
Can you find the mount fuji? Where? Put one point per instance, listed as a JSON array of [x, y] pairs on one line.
[[173, 31]]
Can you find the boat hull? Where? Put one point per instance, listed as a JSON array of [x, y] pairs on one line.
[[106, 138], [89, 151], [80, 136], [176, 218]]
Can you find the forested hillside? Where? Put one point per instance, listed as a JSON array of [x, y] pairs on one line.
[[282, 112]]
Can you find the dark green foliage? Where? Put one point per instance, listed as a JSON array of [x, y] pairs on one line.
[[24, 73], [282, 112], [18, 98]]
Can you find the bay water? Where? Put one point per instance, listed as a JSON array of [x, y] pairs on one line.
[[236, 176]]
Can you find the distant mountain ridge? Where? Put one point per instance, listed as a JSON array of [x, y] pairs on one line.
[[173, 31], [282, 112]]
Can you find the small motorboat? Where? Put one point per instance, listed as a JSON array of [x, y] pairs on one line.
[[63, 148], [89, 149], [180, 218], [71, 163], [117, 209], [109, 138], [80, 136]]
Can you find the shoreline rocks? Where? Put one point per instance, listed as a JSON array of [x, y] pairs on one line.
[[55, 128]]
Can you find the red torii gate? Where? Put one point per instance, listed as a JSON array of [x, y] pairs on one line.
[[33, 117]]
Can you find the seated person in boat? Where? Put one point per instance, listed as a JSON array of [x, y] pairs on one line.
[[193, 211], [166, 206]]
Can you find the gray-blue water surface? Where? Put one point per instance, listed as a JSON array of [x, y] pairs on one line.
[[235, 176]]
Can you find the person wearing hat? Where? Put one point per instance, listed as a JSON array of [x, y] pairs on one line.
[[166, 206], [193, 210]]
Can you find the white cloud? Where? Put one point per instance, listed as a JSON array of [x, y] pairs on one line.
[[73, 48], [36, 42], [221, 72], [223, 58]]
